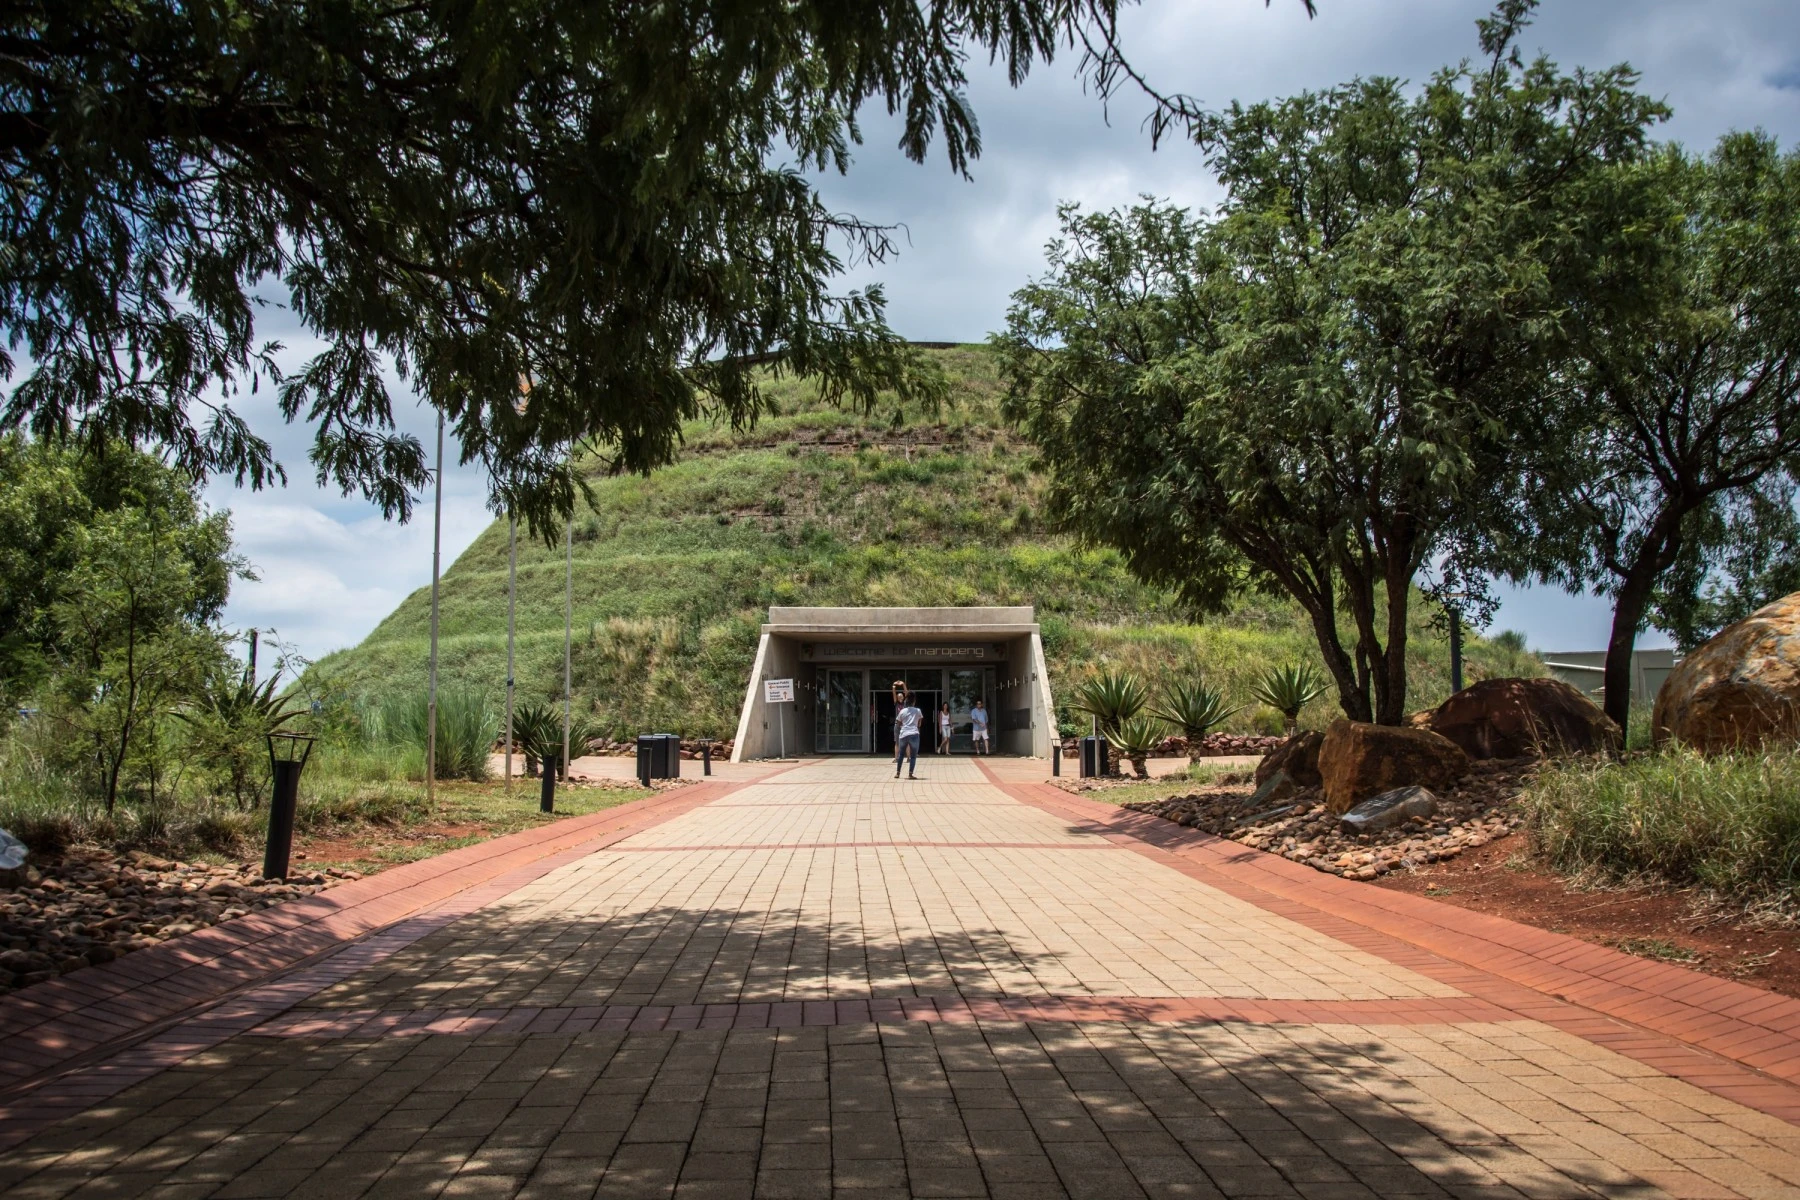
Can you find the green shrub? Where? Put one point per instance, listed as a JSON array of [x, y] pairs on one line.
[[466, 729], [1729, 823]]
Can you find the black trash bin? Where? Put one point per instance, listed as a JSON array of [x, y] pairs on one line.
[[1093, 757], [659, 756]]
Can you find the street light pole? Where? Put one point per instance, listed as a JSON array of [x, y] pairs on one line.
[[437, 531], [1456, 684], [568, 627], [512, 596]]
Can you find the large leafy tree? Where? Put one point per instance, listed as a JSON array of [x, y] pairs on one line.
[[49, 497], [128, 643], [1336, 376], [1674, 488], [603, 203]]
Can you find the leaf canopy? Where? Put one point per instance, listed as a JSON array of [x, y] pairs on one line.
[[565, 224]]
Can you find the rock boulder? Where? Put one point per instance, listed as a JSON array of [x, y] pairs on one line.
[[1298, 756], [1739, 690], [1388, 810], [1516, 718], [1357, 761]]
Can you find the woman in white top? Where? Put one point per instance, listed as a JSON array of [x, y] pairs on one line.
[[944, 730]]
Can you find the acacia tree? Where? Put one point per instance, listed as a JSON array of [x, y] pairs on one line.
[[1680, 452], [1313, 389], [585, 199]]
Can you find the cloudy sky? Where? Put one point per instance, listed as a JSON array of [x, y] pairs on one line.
[[331, 568]]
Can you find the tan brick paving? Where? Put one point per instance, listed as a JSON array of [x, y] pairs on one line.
[[986, 898]]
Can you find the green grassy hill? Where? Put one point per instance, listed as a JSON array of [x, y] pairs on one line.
[[817, 505]]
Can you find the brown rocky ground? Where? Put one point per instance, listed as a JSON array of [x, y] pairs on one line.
[[1666, 924], [89, 905], [1471, 815]]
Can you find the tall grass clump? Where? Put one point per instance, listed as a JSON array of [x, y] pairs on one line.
[[1728, 823], [466, 728]]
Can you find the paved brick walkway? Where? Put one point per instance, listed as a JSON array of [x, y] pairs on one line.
[[822, 981]]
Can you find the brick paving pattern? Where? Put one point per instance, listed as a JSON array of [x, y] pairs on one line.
[[824, 982]]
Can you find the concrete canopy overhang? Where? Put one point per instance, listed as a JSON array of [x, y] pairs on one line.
[[1006, 637]]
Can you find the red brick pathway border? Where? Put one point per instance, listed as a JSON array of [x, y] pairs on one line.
[[1736, 1041], [103, 1015]]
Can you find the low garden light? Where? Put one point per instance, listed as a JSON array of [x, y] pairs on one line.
[[288, 753]]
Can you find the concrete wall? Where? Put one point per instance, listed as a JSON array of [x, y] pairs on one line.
[[1025, 712], [759, 732], [901, 623], [1582, 669]]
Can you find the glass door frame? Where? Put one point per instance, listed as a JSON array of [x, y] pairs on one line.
[[825, 740]]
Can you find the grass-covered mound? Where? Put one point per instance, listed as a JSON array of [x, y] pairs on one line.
[[823, 506]]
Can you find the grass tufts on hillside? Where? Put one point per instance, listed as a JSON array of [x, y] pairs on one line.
[[674, 572]]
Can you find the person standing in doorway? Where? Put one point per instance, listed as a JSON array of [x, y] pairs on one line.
[[944, 729], [909, 722], [978, 717]]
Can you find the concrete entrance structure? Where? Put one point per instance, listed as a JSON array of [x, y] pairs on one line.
[[843, 661]]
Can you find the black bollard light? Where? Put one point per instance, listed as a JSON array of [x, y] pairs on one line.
[[706, 757], [547, 790], [287, 758], [1056, 758]]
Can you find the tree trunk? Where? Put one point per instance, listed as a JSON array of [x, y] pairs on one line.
[[1353, 698], [1629, 605], [1616, 680], [1661, 544]]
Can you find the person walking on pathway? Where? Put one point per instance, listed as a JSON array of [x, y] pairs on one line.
[[978, 717], [944, 730], [908, 724]]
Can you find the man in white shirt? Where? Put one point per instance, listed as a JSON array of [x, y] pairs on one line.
[[908, 722], [978, 718]]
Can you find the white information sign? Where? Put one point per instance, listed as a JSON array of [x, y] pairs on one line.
[[778, 691]]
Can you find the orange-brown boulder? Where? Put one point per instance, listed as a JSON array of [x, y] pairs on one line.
[[1357, 761], [1739, 690], [1298, 756], [1514, 718]]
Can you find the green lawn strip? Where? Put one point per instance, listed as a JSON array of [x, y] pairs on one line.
[[1203, 775], [488, 807]]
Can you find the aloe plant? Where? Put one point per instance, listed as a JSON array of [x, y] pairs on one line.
[[1193, 706], [229, 725], [1135, 738], [1111, 699], [538, 732], [1289, 689]]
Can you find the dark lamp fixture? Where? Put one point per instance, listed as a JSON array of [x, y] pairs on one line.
[[290, 747], [288, 753]]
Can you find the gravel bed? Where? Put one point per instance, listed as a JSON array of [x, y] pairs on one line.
[[1483, 807], [90, 905]]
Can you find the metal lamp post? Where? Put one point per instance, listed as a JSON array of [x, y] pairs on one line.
[[512, 598], [288, 753], [437, 532]]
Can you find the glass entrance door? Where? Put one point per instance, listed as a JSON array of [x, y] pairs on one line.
[[841, 723], [966, 687]]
